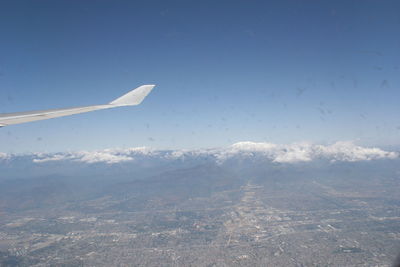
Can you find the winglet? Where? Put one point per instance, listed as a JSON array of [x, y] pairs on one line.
[[134, 97]]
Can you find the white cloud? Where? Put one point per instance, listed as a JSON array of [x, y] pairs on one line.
[[3, 156], [302, 152], [109, 156], [289, 153], [348, 151], [105, 156], [298, 152], [57, 157], [294, 153]]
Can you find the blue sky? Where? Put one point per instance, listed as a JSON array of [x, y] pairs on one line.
[[226, 71]]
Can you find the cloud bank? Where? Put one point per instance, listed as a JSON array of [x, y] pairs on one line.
[[303, 152], [277, 153]]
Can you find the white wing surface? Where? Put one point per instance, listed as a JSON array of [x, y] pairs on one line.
[[133, 98]]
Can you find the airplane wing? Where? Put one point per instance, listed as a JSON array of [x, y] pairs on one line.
[[133, 98]]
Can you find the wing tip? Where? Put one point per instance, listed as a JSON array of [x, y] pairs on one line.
[[134, 97]]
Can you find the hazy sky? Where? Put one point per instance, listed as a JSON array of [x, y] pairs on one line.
[[226, 71]]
